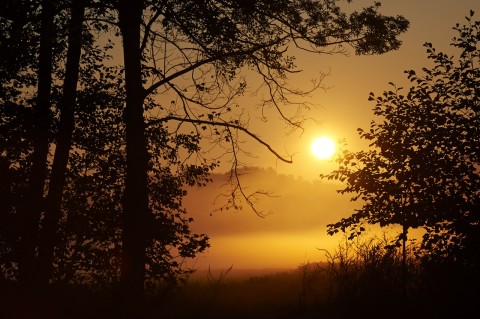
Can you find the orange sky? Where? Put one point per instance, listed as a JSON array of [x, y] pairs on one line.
[[296, 227]]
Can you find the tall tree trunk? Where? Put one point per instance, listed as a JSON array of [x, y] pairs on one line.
[[49, 234], [404, 262], [41, 124], [136, 193]]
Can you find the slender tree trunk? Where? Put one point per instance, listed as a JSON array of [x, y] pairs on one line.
[[49, 234], [404, 262], [136, 193], [41, 124]]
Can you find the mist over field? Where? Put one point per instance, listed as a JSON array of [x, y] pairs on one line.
[[294, 226]]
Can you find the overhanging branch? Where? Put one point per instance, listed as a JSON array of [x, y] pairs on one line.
[[198, 64], [228, 125]]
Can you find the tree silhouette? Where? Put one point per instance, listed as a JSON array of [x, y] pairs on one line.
[[31, 212], [137, 129], [48, 235], [211, 42], [78, 234], [91, 226], [14, 25], [422, 167]]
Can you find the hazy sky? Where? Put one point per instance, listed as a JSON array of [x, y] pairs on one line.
[[296, 227]]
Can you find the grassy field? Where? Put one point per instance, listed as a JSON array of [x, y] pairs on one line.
[[217, 294], [364, 280], [228, 295]]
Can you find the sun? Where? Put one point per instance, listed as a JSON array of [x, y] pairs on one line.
[[323, 147]]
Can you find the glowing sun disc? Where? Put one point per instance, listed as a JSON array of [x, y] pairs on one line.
[[323, 147]]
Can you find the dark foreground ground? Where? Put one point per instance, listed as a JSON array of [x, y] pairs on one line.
[[297, 294]]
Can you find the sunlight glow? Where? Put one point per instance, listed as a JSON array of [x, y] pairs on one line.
[[323, 147]]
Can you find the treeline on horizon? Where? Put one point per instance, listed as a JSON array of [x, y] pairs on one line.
[[95, 154]]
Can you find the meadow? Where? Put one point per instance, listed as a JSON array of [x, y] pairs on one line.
[[360, 279]]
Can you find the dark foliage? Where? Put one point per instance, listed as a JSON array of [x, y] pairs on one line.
[[88, 247], [117, 192], [422, 168]]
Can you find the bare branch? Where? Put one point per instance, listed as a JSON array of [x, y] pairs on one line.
[[209, 60], [227, 125]]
